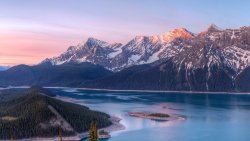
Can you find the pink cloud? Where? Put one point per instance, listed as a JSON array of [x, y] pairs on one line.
[[30, 48]]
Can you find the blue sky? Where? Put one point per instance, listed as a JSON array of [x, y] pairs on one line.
[[48, 27]]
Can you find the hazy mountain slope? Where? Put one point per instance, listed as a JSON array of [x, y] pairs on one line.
[[168, 76], [243, 80], [48, 75], [3, 68], [119, 80]]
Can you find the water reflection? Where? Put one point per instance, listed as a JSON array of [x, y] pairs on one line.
[[209, 116]]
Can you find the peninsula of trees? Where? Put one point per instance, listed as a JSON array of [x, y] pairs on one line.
[[35, 113]]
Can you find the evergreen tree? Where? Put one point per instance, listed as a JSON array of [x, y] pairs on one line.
[[93, 134], [60, 134]]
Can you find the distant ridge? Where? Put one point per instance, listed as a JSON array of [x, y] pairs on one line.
[[48, 75], [3, 68]]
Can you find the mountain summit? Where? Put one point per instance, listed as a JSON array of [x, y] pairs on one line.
[[140, 50], [213, 27], [214, 46], [176, 33]]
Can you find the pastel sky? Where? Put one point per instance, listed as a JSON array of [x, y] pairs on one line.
[[32, 30]]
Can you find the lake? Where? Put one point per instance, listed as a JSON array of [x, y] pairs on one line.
[[209, 117]]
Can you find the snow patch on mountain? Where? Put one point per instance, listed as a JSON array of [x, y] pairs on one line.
[[155, 56], [115, 53], [176, 33], [237, 57], [214, 46], [133, 59]]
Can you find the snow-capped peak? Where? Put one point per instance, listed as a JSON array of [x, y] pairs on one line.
[[176, 33], [213, 27], [139, 38], [96, 42], [93, 42], [228, 47]]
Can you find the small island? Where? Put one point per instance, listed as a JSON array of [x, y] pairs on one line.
[[155, 116], [103, 134]]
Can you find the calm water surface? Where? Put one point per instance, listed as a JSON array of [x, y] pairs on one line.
[[210, 117]]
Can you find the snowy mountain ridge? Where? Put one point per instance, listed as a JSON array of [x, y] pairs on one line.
[[215, 46]]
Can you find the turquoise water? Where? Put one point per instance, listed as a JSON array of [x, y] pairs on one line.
[[209, 117]]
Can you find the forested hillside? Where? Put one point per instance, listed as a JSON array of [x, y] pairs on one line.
[[28, 113]]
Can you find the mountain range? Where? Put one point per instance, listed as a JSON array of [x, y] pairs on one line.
[[115, 57], [212, 60]]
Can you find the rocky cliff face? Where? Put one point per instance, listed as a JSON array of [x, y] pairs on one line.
[[140, 50], [230, 47], [213, 60]]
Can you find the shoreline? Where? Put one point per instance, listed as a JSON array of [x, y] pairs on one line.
[[147, 91], [153, 91], [116, 126]]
